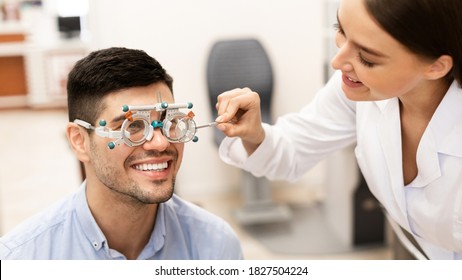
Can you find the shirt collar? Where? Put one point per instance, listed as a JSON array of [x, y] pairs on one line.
[[93, 233], [157, 240], [96, 237]]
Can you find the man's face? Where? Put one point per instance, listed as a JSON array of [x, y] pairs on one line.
[[142, 174]]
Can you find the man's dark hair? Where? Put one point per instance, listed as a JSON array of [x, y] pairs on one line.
[[107, 71]]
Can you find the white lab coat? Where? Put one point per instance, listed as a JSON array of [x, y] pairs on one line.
[[430, 207]]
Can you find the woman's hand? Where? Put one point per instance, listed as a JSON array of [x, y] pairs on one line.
[[239, 115]]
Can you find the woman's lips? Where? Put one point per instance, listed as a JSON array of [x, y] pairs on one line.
[[351, 82]]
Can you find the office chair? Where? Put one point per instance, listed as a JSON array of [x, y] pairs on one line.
[[237, 64]]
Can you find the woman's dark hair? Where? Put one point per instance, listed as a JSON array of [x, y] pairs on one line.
[[429, 28], [107, 71]]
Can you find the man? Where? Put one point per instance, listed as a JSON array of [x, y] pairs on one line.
[[126, 208]]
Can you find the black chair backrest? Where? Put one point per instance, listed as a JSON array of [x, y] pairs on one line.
[[237, 64]]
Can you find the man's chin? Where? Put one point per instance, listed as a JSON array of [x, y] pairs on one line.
[[161, 194], [157, 199], [157, 191]]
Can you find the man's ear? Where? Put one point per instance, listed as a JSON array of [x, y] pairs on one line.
[[78, 138], [440, 67]]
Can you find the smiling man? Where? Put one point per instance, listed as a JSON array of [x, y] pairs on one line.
[[126, 208]]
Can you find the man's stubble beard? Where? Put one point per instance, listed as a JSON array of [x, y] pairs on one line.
[[129, 192]]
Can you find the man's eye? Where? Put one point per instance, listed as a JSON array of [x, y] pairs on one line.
[[135, 126]]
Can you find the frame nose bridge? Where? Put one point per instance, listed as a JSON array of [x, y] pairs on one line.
[[157, 140]]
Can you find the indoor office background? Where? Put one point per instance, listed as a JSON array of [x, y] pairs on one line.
[[37, 167]]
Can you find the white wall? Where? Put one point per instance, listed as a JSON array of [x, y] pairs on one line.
[[179, 33]]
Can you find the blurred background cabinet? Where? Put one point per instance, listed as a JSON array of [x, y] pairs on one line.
[[39, 44], [35, 75], [13, 82]]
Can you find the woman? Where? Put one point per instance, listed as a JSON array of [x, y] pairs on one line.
[[397, 94]]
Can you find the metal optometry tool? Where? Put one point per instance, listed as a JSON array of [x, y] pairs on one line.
[[137, 127]]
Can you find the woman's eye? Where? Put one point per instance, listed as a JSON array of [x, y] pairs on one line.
[[365, 62], [338, 28]]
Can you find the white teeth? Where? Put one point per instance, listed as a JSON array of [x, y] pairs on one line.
[[151, 166], [354, 81]]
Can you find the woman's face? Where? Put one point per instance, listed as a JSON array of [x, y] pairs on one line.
[[375, 66]]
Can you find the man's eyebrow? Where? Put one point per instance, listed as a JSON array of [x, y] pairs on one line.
[[363, 48], [123, 116], [118, 118]]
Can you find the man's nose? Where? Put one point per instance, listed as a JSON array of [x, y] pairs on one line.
[[158, 141]]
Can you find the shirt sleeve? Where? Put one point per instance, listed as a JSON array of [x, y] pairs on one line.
[[298, 141], [230, 246]]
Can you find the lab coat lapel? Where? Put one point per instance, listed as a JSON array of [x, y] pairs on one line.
[[442, 135], [427, 160], [389, 128], [446, 124]]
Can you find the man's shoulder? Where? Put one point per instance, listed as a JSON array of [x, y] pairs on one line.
[[197, 220], [210, 235], [44, 227], [190, 212]]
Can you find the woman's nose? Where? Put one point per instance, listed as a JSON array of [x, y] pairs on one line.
[[340, 62], [158, 142], [342, 59]]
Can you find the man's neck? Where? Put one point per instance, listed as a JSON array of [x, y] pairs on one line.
[[127, 225]]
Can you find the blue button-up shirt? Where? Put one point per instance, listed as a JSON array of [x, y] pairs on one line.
[[68, 230]]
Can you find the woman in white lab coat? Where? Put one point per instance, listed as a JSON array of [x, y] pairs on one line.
[[397, 94]]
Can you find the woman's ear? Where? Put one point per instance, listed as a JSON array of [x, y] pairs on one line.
[[78, 137], [440, 67]]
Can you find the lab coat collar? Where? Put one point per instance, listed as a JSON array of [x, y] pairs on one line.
[[382, 104], [446, 124], [389, 132], [442, 135]]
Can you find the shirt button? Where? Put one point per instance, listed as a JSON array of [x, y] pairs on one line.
[[95, 244]]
